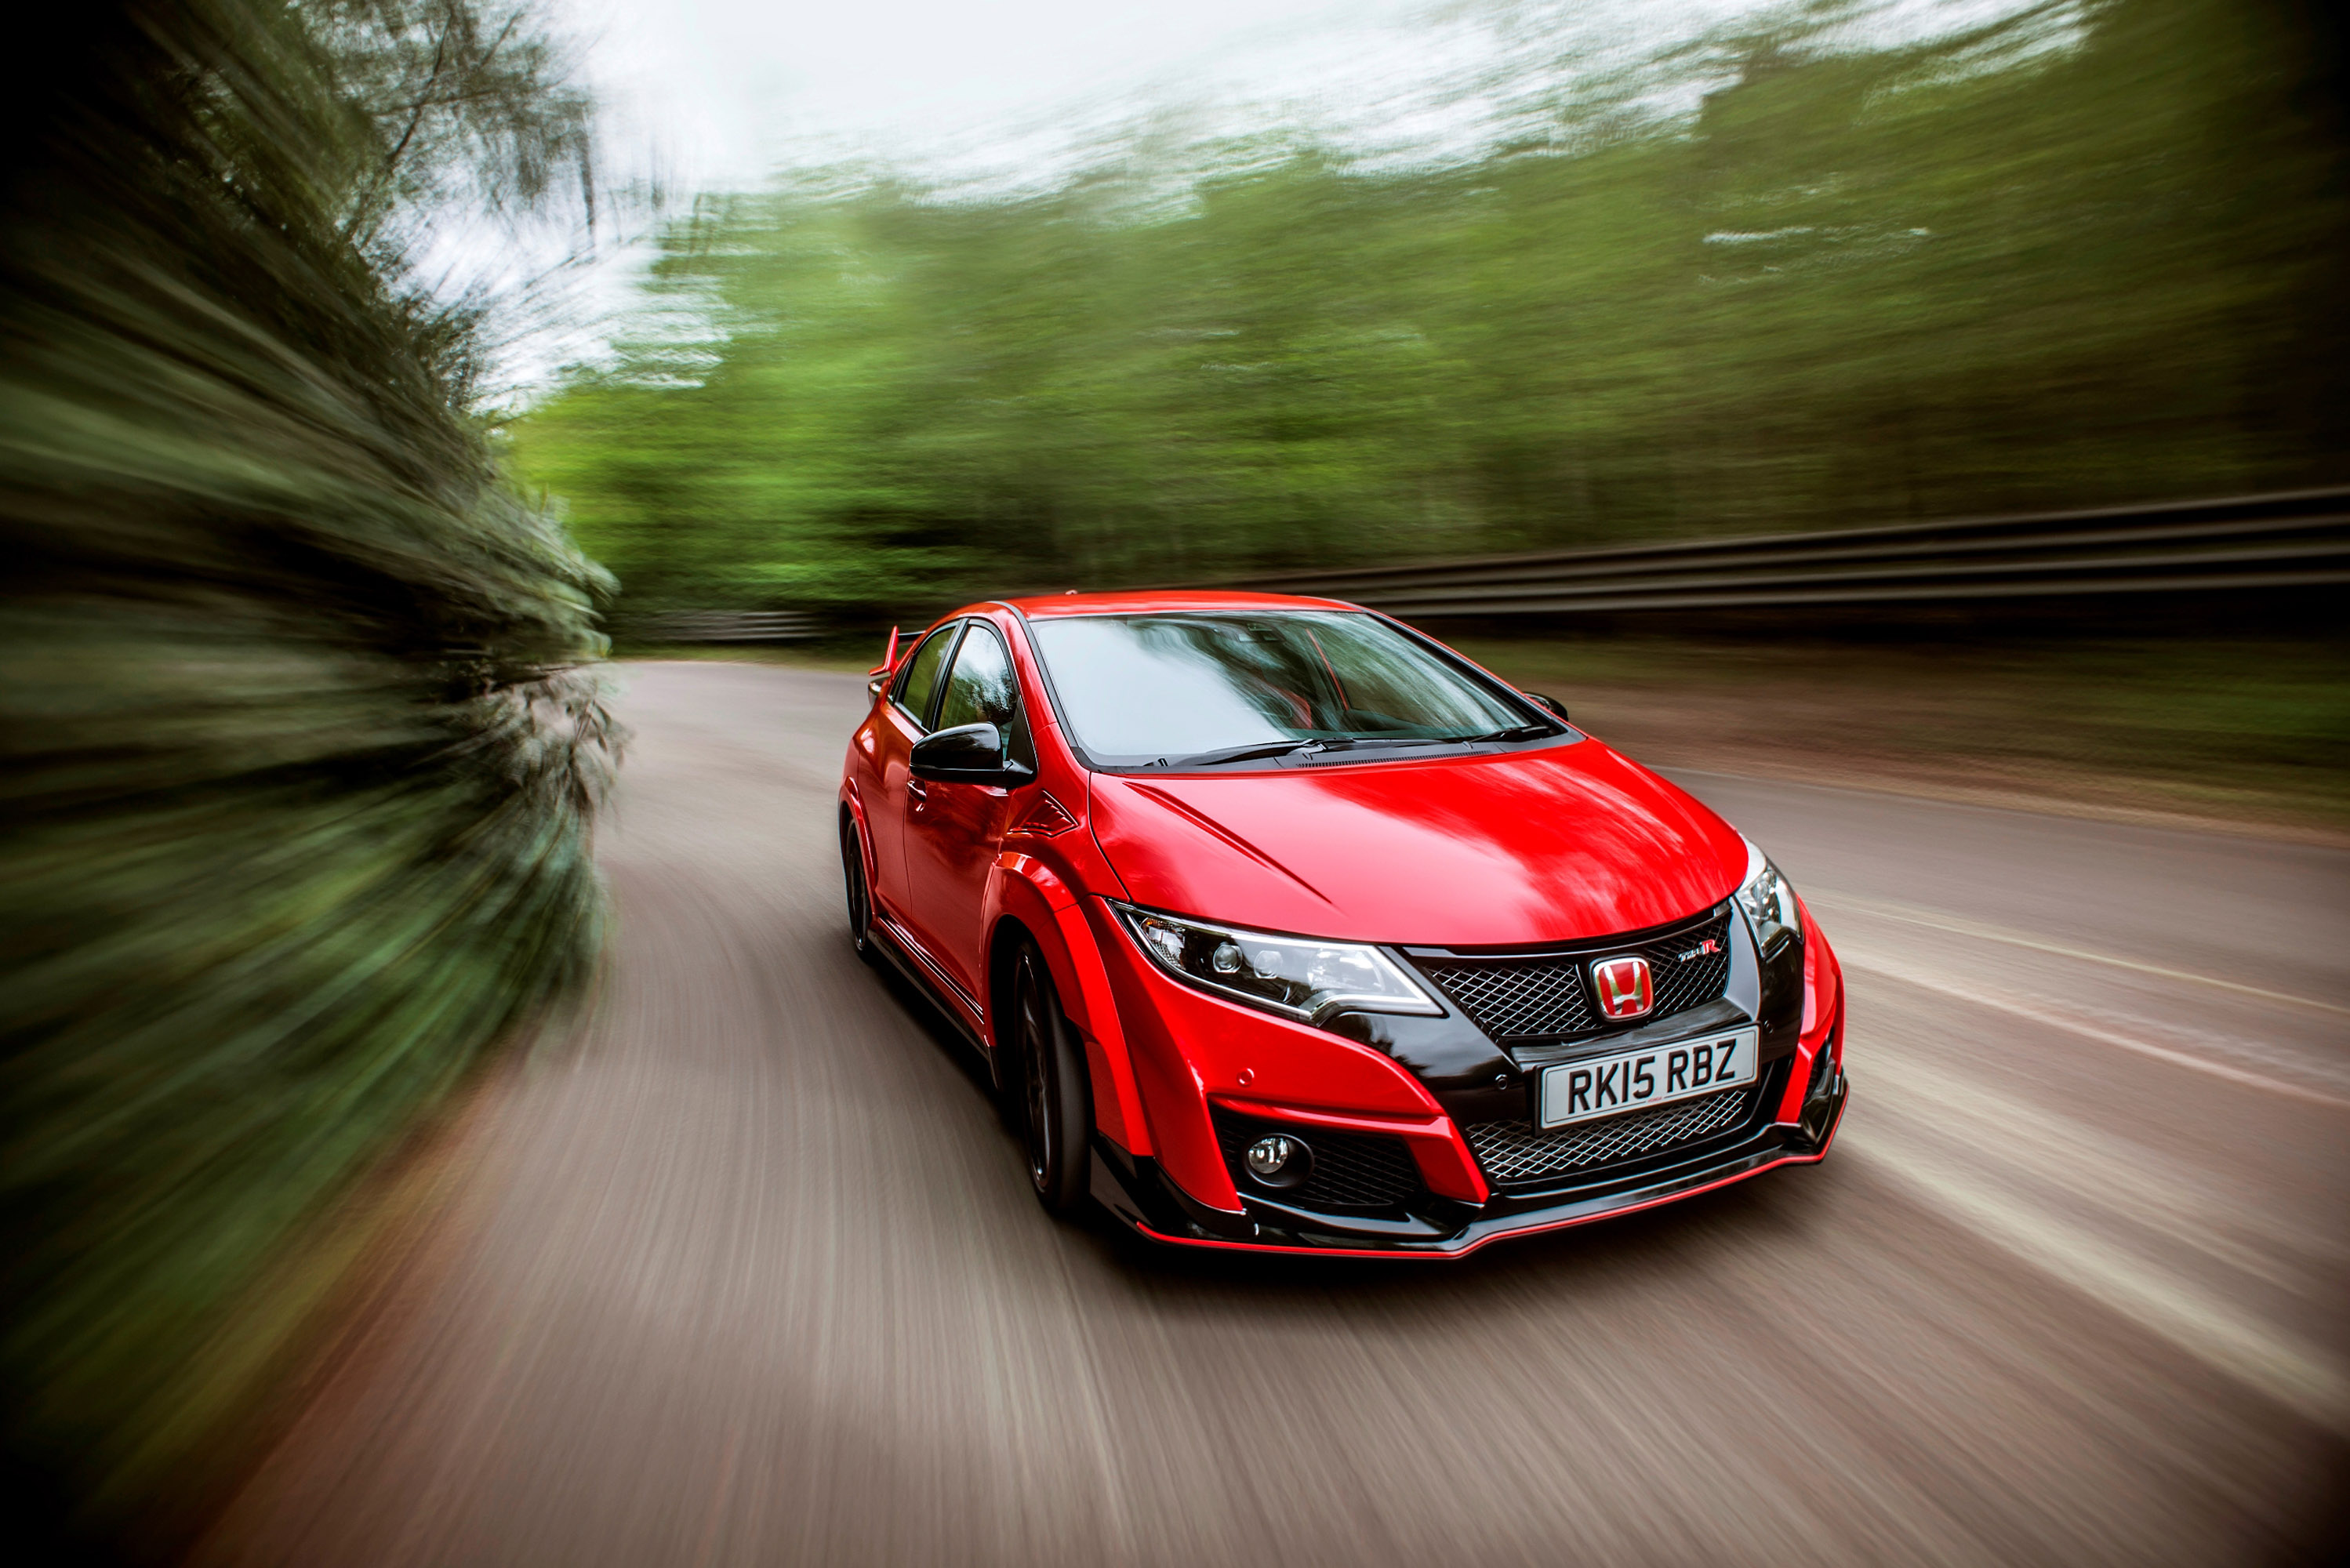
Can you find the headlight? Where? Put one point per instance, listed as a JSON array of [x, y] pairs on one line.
[[1297, 977], [1769, 901]]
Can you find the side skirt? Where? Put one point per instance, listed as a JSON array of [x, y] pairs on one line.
[[907, 956]]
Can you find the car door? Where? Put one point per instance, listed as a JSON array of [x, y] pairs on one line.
[[953, 830], [902, 721]]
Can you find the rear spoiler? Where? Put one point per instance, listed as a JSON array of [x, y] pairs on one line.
[[873, 677]]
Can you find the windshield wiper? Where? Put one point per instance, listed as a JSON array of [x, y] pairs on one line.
[[1313, 745], [1247, 753], [1514, 732]]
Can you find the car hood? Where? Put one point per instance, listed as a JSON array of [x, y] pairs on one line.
[[1542, 845]]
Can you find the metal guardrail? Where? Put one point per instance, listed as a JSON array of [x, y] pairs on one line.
[[2297, 539], [737, 626]]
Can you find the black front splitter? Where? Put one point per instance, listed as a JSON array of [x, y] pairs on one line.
[[1139, 1193]]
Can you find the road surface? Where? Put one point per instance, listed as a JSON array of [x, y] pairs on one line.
[[750, 1274]]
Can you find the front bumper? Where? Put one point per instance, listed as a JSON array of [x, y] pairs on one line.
[[1425, 1091], [1139, 1194]]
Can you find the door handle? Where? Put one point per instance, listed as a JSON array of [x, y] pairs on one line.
[[916, 787]]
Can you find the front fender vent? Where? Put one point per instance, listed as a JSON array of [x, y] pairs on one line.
[[1044, 820]]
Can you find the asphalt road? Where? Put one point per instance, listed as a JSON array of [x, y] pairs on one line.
[[750, 1274]]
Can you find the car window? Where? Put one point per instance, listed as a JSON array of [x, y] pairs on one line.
[[983, 690], [921, 680], [1136, 687]]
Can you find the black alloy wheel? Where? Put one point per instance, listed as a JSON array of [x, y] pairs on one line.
[[860, 894], [1055, 1104]]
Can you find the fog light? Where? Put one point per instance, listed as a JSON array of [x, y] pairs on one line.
[[1278, 1161], [1267, 1156]]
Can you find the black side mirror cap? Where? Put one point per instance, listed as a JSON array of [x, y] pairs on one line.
[[1552, 703], [968, 753]]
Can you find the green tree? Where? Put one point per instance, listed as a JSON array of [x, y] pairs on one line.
[[297, 758], [2079, 256]]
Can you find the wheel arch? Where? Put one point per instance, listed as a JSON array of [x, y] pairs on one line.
[[852, 815], [1030, 902]]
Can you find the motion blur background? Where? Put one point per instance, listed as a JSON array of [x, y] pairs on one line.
[[373, 367]]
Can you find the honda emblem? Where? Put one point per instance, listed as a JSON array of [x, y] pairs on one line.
[[1623, 986]]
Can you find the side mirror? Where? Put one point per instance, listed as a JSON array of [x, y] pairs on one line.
[[1552, 703], [968, 753]]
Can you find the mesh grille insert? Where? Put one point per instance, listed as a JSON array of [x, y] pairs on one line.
[[1351, 1170], [1685, 974], [1514, 1153], [1514, 998], [1546, 995]]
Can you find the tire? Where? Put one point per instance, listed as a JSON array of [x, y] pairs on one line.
[[860, 890], [1053, 1102]]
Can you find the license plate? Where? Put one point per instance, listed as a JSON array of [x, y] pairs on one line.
[[1653, 1076]]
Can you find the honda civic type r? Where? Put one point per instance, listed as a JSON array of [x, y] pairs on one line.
[[1283, 926]]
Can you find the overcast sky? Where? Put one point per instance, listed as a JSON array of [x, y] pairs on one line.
[[724, 89], [715, 94], [718, 92]]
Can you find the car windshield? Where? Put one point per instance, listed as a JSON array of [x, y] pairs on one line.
[[1139, 690]]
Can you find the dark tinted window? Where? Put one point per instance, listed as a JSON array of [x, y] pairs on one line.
[[1133, 689], [983, 690], [921, 679]]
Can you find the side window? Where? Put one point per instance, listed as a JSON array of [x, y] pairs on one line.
[[920, 678], [983, 690]]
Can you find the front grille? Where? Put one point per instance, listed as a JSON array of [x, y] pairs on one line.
[[1684, 974], [1511, 998], [1351, 1170], [1513, 1153], [1547, 995]]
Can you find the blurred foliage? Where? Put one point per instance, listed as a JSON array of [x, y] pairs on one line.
[[2086, 254], [299, 758], [450, 108]]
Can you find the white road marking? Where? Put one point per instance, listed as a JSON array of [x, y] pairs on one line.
[[1934, 919], [2039, 1149], [2208, 1329], [1974, 992], [2068, 1198]]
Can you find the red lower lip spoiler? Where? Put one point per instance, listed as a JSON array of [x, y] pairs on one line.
[[1502, 1235]]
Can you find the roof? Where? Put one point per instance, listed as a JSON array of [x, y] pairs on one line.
[[1143, 600]]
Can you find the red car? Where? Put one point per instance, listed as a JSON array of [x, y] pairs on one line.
[[1285, 928]]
